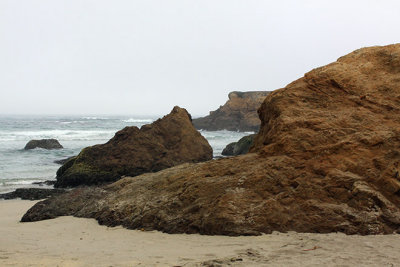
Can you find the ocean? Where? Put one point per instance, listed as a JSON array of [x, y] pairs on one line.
[[23, 168]]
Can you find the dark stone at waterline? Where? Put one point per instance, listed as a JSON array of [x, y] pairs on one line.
[[62, 161], [240, 147], [32, 193], [47, 182], [43, 143]]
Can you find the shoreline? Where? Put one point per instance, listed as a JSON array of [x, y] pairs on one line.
[[69, 241], [24, 168]]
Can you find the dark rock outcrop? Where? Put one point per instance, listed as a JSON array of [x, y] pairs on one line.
[[32, 193], [166, 142], [43, 143], [239, 113], [326, 159], [240, 147], [45, 183]]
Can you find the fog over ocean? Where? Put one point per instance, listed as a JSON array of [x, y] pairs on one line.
[[21, 168]]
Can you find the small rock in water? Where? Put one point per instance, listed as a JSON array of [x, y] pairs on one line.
[[48, 182], [43, 143]]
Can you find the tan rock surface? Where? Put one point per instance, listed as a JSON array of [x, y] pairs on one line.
[[327, 160]]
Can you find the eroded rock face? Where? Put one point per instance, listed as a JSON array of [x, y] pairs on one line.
[[240, 147], [43, 143], [239, 113], [326, 159], [167, 142]]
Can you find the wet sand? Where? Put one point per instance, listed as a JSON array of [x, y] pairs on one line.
[[68, 241]]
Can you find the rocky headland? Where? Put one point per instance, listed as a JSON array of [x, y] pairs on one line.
[[326, 159], [239, 113], [169, 141]]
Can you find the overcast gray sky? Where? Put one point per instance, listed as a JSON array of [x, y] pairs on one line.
[[143, 57]]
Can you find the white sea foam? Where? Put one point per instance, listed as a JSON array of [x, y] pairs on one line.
[[71, 135], [138, 120], [23, 182], [72, 122], [95, 118]]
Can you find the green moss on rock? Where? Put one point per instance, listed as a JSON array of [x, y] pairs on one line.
[[240, 147]]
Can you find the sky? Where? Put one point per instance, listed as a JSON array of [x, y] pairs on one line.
[[142, 57]]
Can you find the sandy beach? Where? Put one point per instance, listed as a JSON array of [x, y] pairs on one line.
[[68, 241]]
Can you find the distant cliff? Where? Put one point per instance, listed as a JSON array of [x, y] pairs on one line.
[[238, 114]]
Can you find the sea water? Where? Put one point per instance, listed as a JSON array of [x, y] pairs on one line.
[[22, 168]]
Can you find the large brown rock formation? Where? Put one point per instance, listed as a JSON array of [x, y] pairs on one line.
[[239, 113], [326, 159], [167, 142]]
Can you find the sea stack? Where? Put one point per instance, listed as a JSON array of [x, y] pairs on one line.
[[166, 142], [326, 159]]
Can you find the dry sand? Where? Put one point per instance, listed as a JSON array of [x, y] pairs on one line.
[[69, 241]]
